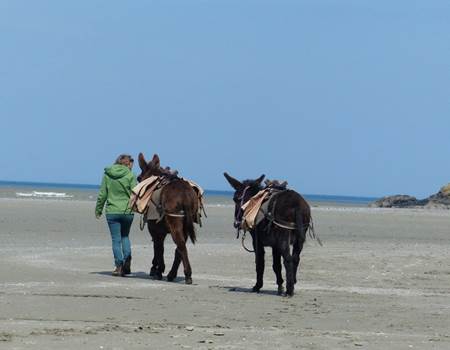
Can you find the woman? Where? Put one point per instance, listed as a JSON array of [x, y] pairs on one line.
[[115, 191]]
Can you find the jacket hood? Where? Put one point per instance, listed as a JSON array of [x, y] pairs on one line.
[[117, 171]]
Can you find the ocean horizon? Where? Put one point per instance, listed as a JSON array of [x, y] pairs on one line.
[[23, 189]]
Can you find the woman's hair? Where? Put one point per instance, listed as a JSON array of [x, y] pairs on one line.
[[124, 159]]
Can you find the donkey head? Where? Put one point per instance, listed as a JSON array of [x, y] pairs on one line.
[[148, 169], [243, 192]]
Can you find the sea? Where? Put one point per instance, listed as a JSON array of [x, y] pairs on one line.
[[83, 192]]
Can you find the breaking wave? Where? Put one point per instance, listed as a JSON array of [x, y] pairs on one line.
[[207, 205], [37, 194]]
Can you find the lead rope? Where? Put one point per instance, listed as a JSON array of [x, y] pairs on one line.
[[142, 222], [243, 243], [240, 222]]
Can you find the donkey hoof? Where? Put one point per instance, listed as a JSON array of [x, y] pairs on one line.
[[171, 277], [256, 289], [290, 293], [188, 280], [152, 272], [280, 290], [157, 276]]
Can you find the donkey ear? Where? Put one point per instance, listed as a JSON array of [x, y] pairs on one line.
[[142, 162], [156, 162], [236, 184], [259, 179]]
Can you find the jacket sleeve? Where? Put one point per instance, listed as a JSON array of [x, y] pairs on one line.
[[133, 182], [102, 195]]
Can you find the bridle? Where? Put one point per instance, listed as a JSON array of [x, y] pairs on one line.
[[238, 216], [238, 222]]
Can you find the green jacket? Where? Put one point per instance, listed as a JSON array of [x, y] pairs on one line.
[[115, 190]]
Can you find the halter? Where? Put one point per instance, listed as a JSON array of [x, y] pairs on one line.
[[237, 222]]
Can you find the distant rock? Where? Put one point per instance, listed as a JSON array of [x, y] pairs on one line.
[[445, 190], [397, 201], [440, 200]]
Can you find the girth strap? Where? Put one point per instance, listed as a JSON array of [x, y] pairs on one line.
[[286, 225], [181, 214], [270, 217]]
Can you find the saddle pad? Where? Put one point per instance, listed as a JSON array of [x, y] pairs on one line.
[[263, 210], [141, 194], [153, 212], [251, 209], [257, 207]]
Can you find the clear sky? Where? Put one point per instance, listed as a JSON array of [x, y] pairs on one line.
[[344, 97]]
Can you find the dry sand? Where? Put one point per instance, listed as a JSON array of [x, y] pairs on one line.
[[381, 281]]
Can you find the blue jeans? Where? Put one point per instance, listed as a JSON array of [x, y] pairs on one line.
[[119, 227]]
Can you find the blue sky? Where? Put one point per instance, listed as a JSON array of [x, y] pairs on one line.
[[337, 97]]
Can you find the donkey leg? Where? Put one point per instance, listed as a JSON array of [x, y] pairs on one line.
[[158, 261], [176, 263], [277, 269], [181, 247], [259, 260], [298, 246], [158, 235], [153, 269], [289, 266], [179, 238]]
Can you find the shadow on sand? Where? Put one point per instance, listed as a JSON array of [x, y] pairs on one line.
[[137, 275], [248, 290]]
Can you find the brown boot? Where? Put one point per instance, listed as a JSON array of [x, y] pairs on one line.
[[118, 271]]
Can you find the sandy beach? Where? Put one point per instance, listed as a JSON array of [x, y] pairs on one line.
[[381, 281]]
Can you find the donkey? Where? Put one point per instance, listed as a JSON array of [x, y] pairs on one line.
[[287, 224], [180, 206]]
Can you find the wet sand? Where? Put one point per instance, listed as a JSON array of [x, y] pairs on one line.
[[381, 281]]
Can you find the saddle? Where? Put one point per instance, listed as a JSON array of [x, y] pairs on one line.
[[146, 197]]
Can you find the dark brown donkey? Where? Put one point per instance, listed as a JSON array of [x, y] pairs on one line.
[[285, 224], [180, 206]]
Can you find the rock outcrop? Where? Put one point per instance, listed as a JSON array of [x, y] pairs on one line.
[[397, 201], [440, 200]]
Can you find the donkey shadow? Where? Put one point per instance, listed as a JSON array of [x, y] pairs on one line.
[[233, 289]]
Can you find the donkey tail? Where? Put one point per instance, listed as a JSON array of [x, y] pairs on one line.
[[307, 227], [313, 234], [189, 224], [301, 228]]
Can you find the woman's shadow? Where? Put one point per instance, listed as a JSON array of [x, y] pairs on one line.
[[136, 275]]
